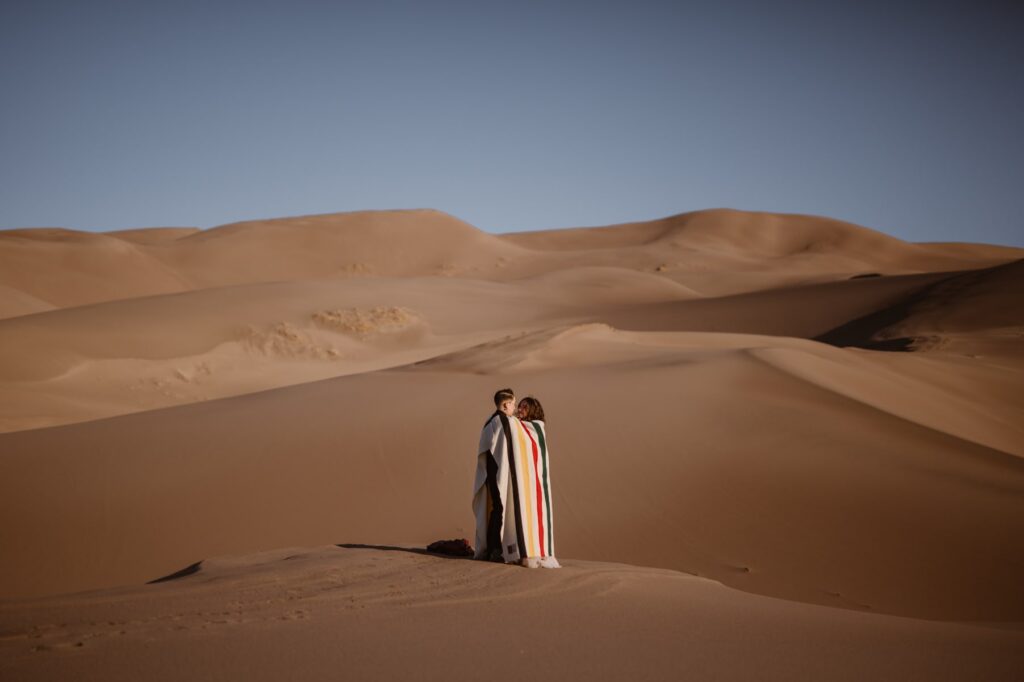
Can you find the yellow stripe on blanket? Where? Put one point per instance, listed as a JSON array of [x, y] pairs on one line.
[[527, 489]]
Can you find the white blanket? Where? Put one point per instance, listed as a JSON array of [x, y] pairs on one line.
[[520, 468]]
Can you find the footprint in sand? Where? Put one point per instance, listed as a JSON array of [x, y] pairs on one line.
[[57, 646], [298, 614]]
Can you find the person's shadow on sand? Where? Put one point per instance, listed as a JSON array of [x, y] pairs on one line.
[[411, 550], [194, 568]]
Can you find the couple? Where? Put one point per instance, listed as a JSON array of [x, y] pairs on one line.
[[512, 491]]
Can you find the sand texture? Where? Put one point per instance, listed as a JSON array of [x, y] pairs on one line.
[[783, 447]]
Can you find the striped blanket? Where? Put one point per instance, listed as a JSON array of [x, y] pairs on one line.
[[512, 492]]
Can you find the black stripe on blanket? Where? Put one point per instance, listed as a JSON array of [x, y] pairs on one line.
[[515, 485], [497, 511]]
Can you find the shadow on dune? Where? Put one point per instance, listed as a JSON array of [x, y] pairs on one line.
[[411, 550], [192, 569], [863, 332], [886, 329], [187, 571]]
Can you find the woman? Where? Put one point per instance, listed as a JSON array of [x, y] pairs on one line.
[[530, 409], [538, 492]]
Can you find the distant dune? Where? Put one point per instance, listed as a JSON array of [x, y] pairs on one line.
[[778, 442], [68, 267]]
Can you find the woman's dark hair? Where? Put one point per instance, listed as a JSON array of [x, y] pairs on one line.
[[534, 412]]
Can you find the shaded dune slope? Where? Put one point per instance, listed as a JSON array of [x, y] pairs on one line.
[[805, 310], [327, 609], [977, 300]]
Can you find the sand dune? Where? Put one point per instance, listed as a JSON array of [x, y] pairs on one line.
[[15, 302], [124, 356], [135, 351], [327, 611], [980, 405], [152, 235], [983, 300], [590, 285], [68, 267], [722, 465], [730, 430], [753, 235]]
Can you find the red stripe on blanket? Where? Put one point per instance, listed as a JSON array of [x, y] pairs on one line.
[[540, 493]]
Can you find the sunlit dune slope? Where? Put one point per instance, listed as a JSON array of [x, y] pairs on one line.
[[14, 303], [152, 235], [118, 357], [712, 457], [67, 267], [759, 235]]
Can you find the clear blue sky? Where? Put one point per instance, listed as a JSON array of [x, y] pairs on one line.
[[901, 116]]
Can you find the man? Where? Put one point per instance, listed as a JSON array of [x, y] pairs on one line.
[[492, 477]]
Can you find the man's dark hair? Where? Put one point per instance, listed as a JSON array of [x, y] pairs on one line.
[[503, 395], [534, 412]]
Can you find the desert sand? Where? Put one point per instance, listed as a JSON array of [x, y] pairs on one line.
[[783, 447]]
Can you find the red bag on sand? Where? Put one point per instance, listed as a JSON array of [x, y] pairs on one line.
[[460, 547]]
